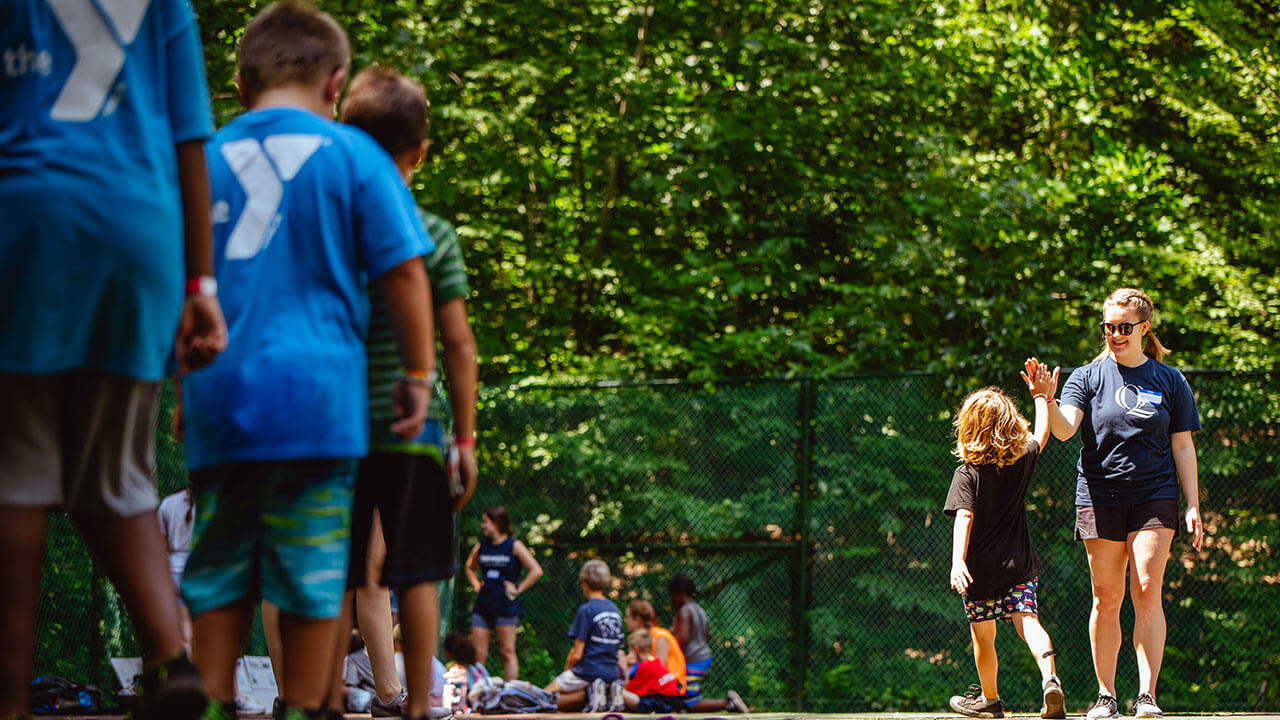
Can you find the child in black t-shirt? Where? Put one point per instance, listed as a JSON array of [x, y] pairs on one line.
[[993, 565]]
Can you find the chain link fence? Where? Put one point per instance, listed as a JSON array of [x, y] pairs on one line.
[[808, 511]]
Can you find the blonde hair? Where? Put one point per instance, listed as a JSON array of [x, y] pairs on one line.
[[1139, 302], [989, 429], [641, 640]]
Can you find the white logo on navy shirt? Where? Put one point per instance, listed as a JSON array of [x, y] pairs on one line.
[[99, 38], [1138, 401], [262, 170]]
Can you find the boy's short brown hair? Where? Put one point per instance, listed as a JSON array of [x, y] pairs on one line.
[[393, 109], [291, 41]]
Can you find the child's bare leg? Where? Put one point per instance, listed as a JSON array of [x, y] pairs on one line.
[[308, 649], [217, 636], [984, 656], [1029, 627], [132, 552], [420, 630], [631, 699], [342, 642], [373, 608], [571, 700], [22, 542], [706, 705], [271, 631]]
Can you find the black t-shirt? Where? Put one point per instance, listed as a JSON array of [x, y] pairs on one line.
[[1000, 553]]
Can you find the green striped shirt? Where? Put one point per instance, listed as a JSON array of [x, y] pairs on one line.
[[448, 277]]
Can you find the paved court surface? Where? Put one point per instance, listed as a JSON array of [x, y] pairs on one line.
[[753, 716]]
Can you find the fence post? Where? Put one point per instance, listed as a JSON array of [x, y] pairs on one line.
[[803, 566]]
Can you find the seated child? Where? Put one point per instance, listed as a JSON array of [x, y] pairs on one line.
[[458, 649], [653, 688], [641, 616], [592, 674]]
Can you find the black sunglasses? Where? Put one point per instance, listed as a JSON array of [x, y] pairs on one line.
[[1124, 328]]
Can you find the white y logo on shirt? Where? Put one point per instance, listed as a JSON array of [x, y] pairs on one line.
[[262, 170], [99, 50]]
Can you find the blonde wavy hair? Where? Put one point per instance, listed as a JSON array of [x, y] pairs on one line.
[[989, 429]]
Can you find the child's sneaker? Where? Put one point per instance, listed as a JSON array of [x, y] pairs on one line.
[[973, 704], [172, 691], [218, 711], [1104, 707], [616, 702], [391, 708], [1054, 706], [1146, 707], [734, 702], [597, 696]]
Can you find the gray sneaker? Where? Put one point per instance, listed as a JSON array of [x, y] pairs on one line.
[[734, 703], [1146, 707], [1105, 707], [392, 708], [597, 696], [1054, 705], [973, 704]]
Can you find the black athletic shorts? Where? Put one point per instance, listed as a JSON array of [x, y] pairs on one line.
[[411, 494], [1116, 522]]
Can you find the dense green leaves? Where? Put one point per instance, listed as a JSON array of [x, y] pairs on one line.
[[756, 187]]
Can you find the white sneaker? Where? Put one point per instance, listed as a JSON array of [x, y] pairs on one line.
[[1146, 707], [597, 696], [616, 702], [1105, 707], [246, 706], [1054, 706]]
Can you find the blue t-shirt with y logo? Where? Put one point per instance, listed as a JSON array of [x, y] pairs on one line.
[[95, 97], [305, 210], [1129, 415]]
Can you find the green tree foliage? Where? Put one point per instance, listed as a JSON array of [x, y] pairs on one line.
[[751, 187]]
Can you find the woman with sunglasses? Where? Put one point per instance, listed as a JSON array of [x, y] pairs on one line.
[[1138, 415]]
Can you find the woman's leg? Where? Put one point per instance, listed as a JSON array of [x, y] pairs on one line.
[[480, 641], [1149, 553], [984, 656], [507, 648], [1107, 562]]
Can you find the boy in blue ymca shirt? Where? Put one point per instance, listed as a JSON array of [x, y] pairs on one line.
[[304, 211], [103, 200]]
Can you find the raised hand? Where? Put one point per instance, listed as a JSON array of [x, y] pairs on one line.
[[1038, 378]]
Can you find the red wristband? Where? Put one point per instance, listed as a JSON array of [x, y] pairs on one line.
[[465, 441], [201, 285]]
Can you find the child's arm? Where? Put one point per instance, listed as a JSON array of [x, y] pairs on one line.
[[622, 664], [202, 333], [1042, 385], [575, 654], [680, 626], [409, 302], [460, 361], [960, 577]]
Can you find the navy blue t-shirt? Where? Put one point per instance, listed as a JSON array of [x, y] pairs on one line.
[[1129, 416], [598, 624]]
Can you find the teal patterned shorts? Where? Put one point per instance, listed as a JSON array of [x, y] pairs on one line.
[[278, 530], [1021, 598]]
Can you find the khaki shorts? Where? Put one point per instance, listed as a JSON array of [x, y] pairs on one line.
[[81, 441]]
